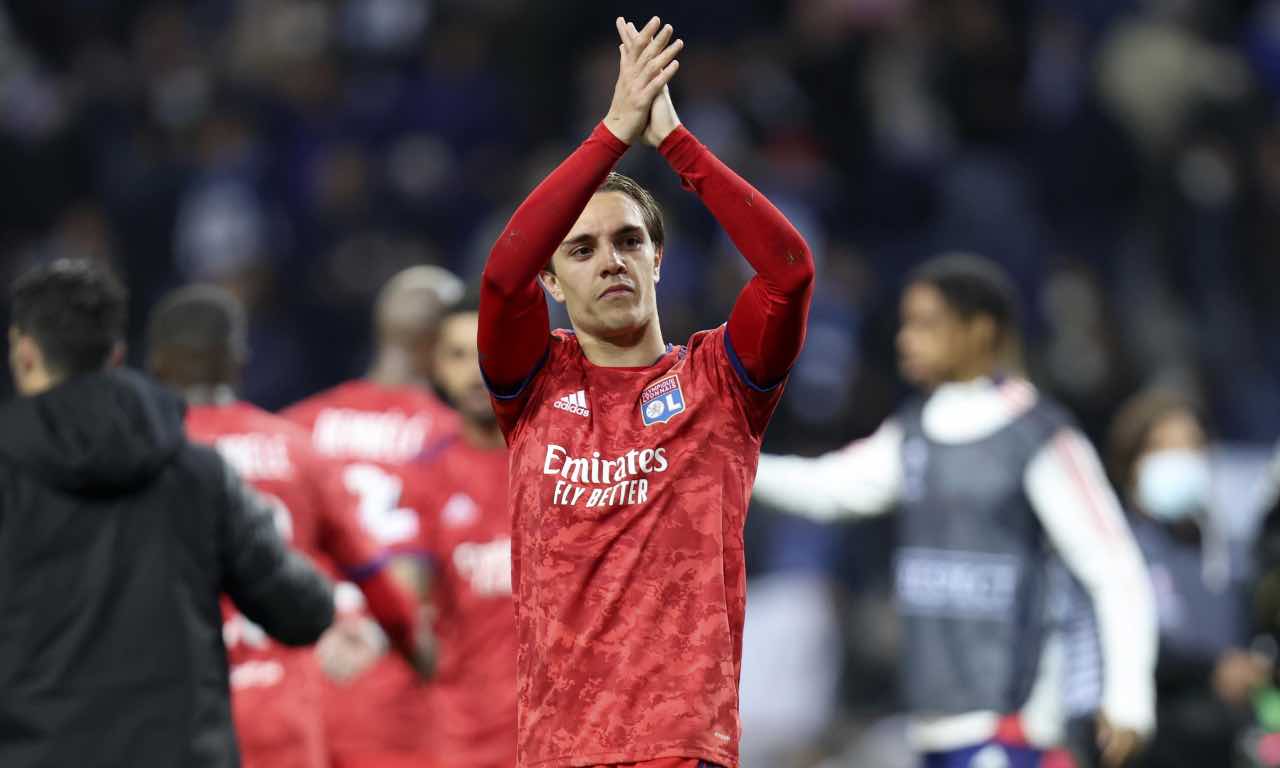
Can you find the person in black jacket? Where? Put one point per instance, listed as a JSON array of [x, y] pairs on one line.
[[117, 538]]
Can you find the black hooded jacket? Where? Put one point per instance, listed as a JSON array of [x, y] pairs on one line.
[[117, 537]]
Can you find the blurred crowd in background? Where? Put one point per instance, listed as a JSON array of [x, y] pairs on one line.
[[1121, 158]]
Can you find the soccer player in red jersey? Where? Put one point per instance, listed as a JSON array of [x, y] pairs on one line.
[[466, 536], [197, 345], [373, 427], [632, 459]]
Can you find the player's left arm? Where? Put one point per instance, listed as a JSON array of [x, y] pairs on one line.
[[1080, 513], [767, 326], [384, 578]]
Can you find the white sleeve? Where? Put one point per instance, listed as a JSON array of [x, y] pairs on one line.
[[862, 479], [1070, 493]]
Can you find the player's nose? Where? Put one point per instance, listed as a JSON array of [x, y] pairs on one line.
[[614, 263]]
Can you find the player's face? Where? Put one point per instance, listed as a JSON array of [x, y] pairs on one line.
[[932, 341], [1177, 431], [457, 367], [25, 362], [606, 270]]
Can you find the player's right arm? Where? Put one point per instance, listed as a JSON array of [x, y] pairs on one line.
[[275, 587], [860, 480], [515, 327]]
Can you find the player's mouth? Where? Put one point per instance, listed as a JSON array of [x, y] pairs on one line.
[[616, 290]]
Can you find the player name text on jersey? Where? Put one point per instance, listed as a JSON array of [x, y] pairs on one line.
[[388, 437], [257, 456]]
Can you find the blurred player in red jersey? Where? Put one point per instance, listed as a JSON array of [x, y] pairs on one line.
[[466, 536], [197, 345], [373, 426], [632, 459]]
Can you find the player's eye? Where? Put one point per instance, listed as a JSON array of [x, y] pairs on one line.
[[581, 252], [632, 242]]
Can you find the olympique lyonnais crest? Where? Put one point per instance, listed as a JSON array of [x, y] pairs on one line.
[[661, 401]]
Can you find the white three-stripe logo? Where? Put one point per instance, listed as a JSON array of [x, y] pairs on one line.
[[575, 403], [578, 398]]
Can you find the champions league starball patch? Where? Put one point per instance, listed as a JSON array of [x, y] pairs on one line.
[[661, 401]]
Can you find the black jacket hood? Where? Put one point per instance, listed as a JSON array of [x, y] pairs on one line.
[[98, 434]]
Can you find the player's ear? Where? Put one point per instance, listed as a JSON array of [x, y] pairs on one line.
[[657, 264], [552, 284], [25, 358], [983, 333]]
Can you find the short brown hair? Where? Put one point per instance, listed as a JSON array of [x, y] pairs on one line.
[[649, 210]]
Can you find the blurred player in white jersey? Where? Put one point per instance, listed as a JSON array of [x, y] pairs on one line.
[[990, 477]]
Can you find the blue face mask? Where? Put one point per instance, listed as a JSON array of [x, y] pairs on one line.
[[1173, 485]]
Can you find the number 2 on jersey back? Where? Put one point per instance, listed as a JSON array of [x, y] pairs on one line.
[[380, 512]]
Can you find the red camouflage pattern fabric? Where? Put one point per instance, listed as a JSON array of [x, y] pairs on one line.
[[628, 557]]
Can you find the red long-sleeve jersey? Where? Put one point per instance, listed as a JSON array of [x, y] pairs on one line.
[[629, 486]]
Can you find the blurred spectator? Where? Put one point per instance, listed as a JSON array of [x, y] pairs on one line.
[[197, 344], [1205, 674], [114, 651], [302, 151], [990, 478], [374, 429]]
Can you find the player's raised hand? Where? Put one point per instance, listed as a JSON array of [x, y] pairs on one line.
[[662, 119], [646, 63], [662, 113]]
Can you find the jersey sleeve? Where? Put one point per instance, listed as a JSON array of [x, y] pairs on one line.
[[510, 408], [752, 404], [1082, 517], [514, 323], [864, 478], [766, 329], [274, 586]]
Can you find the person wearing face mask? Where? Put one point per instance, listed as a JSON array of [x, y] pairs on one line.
[[1205, 675]]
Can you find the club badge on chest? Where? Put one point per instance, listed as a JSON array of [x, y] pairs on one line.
[[661, 401]]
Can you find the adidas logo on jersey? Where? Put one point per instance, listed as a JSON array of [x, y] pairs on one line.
[[574, 403]]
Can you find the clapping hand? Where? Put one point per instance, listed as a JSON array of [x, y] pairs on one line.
[[647, 62]]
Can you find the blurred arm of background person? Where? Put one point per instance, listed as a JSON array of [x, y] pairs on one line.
[[860, 480], [275, 587], [1082, 517]]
